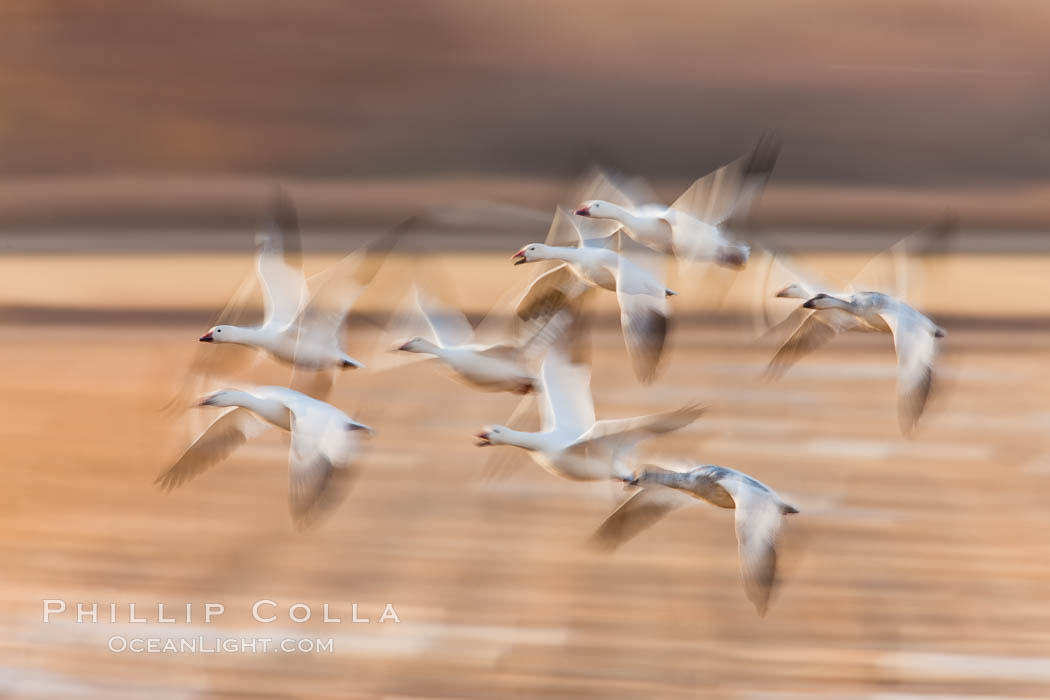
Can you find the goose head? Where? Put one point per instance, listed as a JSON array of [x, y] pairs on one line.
[[417, 344], [825, 301], [492, 435], [221, 334], [599, 209], [533, 252], [223, 397], [354, 425], [793, 291]]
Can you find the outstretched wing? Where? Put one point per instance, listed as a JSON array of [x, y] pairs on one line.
[[279, 263], [622, 434], [781, 274], [733, 187], [893, 271], [449, 326], [550, 293], [566, 405], [642, 510], [758, 521], [320, 466], [914, 339], [644, 316], [231, 430], [605, 185], [815, 332]]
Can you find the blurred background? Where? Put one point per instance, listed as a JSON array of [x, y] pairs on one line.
[[140, 143]]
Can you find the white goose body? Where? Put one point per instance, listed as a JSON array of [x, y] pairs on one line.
[[669, 230], [480, 366], [644, 311], [302, 323], [571, 443], [285, 345], [323, 448], [914, 339], [759, 515], [496, 367], [693, 226]]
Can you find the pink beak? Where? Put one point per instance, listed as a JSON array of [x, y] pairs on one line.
[[207, 338], [518, 257], [583, 211], [483, 439]]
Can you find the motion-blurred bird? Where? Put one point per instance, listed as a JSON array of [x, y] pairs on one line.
[[571, 443], [759, 514], [827, 312], [503, 366], [324, 445], [693, 228], [595, 262], [303, 320]]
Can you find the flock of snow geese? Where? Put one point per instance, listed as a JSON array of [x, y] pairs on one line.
[[615, 239]]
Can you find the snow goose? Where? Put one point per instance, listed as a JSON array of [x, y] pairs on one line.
[[693, 228], [303, 320], [320, 461], [594, 262], [827, 313], [759, 514], [501, 366], [571, 443]]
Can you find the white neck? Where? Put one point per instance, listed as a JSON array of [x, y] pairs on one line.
[[271, 410], [524, 440], [618, 213], [245, 335], [559, 253]]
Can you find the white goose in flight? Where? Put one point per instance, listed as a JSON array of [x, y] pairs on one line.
[[593, 262], [489, 367], [571, 443], [913, 333], [693, 228], [303, 320], [759, 516], [324, 445], [827, 312]]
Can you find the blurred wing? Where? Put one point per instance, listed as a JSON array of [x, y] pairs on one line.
[[733, 187], [619, 435], [279, 264], [565, 230], [550, 293], [758, 520], [778, 273], [639, 512], [893, 271], [566, 327], [218, 441], [653, 262], [607, 186], [916, 348], [449, 326], [818, 328], [567, 406], [320, 468], [644, 316]]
